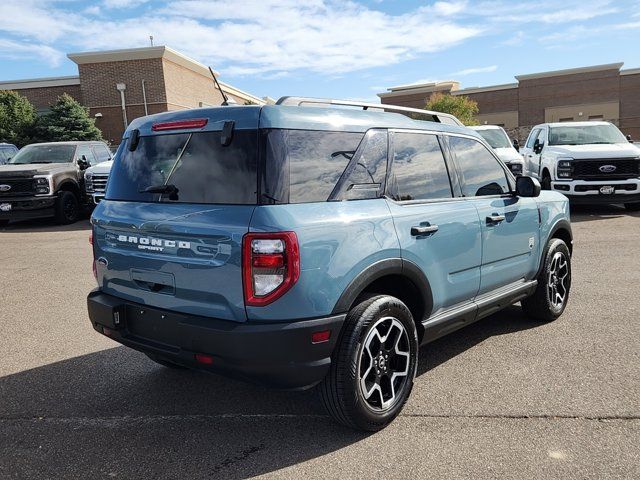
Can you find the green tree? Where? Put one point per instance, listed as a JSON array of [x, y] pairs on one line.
[[460, 106], [17, 118], [67, 121]]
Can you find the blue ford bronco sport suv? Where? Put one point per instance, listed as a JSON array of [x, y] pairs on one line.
[[317, 246]]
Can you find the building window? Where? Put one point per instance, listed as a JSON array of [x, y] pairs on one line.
[[596, 118], [568, 119]]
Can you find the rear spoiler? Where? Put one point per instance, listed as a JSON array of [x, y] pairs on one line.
[[438, 117]]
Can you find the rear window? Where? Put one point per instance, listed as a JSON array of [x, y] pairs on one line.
[[303, 165], [200, 168]]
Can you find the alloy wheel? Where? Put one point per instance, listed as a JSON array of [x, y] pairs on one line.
[[558, 281], [384, 363]]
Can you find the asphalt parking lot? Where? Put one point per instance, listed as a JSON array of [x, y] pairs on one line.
[[502, 398]]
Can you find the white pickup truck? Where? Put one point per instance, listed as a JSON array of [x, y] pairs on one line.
[[589, 162]]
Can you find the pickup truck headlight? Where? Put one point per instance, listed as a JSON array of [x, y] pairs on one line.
[[565, 168], [516, 168], [42, 185], [88, 182]]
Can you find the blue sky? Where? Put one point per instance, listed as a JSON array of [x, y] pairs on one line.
[[343, 49]]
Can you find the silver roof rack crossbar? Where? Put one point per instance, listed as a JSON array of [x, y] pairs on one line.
[[440, 117]]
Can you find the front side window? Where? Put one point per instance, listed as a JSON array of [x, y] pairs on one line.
[[44, 154], [303, 166], [187, 168], [481, 172], [101, 153], [532, 138], [85, 151], [419, 171]]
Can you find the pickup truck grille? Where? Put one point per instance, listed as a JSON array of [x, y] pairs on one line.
[[590, 169], [19, 187], [98, 183]]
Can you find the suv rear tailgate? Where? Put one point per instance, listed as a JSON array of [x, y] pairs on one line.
[[180, 257]]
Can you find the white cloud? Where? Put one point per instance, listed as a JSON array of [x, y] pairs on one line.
[[515, 40], [471, 71], [262, 37], [20, 51], [542, 11], [123, 3]]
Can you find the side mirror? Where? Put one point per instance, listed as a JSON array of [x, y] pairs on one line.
[[538, 146], [629, 139], [527, 187], [83, 163], [516, 144]]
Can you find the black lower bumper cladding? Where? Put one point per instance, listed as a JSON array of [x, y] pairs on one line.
[[277, 354]]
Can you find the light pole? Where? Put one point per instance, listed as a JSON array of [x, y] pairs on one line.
[[121, 88]]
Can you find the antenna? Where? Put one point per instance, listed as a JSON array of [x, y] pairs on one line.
[[151, 39], [224, 96]]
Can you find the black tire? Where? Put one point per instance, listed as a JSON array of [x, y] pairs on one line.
[[165, 363], [545, 184], [4, 223], [342, 392], [632, 207], [554, 280], [67, 208]]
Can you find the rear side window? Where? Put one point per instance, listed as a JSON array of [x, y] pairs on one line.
[[482, 173], [419, 171], [200, 168], [304, 166], [364, 177]]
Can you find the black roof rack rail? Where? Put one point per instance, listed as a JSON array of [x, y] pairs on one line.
[[439, 117]]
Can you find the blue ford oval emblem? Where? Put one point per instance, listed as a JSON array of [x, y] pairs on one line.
[[5, 188], [607, 168]]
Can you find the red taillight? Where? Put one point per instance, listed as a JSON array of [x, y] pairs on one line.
[[203, 358], [321, 337], [270, 266], [268, 261], [179, 125]]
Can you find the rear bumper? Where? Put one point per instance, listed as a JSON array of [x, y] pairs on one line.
[[279, 354], [24, 208]]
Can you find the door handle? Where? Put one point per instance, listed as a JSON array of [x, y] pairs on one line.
[[424, 230], [495, 219]]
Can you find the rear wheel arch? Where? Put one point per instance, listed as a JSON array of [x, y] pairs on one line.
[[394, 277]]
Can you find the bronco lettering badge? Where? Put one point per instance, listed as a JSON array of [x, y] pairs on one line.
[[153, 244]]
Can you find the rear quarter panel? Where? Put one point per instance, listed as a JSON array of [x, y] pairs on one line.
[[554, 212], [337, 241]]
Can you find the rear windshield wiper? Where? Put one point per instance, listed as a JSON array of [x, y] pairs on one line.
[[168, 189]]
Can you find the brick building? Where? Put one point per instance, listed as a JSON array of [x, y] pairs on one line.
[[120, 85], [601, 92]]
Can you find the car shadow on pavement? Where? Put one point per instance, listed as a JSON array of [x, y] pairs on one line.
[[510, 320], [116, 412], [587, 213], [45, 225]]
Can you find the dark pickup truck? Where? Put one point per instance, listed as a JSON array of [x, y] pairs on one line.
[[47, 180]]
